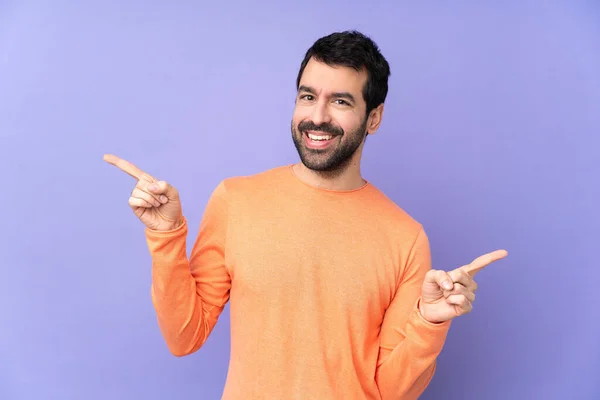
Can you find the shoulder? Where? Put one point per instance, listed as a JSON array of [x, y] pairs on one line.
[[391, 210], [254, 184], [394, 218]]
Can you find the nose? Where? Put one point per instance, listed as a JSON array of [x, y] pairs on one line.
[[320, 114]]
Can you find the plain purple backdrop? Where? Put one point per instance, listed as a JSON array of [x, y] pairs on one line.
[[490, 138]]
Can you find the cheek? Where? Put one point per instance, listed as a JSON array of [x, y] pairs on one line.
[[299, 115], [348, 123], [295, 122]]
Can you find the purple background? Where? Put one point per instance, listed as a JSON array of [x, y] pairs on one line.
[[490, 138]]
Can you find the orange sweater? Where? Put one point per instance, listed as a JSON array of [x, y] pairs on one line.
[[323, 288]]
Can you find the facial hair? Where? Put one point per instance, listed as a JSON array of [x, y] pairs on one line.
[[332, 159]]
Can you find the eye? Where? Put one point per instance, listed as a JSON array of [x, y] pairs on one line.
[[307, 97], [342, 102]]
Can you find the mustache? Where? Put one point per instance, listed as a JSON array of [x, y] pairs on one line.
[[325, 127]]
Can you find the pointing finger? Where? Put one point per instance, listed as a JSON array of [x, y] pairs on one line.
[[125, 166], [483, 261]]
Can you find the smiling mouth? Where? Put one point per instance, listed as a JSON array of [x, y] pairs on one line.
[[318, 138], [318, 141]]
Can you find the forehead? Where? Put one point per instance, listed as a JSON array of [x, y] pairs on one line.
[[327, 79]]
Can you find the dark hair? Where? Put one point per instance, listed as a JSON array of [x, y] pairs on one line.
[[354, 50]]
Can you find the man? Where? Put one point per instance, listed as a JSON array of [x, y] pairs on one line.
[[330, 284]]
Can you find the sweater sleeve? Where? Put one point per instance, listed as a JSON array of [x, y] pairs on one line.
[[409, 344], [189, 295]]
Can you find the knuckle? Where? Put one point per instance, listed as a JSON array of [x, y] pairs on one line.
[[458, 289], [147, 178]]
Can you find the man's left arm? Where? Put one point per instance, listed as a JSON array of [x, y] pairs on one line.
[[409, 344], [415, 325]]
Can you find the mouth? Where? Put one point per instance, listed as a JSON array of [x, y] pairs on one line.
[[318, 140]]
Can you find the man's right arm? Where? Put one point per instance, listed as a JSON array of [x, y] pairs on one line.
[[189, 295]]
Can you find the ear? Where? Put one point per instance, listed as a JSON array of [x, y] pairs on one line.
[[375, 119]]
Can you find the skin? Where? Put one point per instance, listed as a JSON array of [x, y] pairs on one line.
[[329, 100]]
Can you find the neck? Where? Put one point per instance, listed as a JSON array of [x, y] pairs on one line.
[[347, 177]]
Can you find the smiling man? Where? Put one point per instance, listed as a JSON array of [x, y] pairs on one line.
[[342, 84], [330, 283]]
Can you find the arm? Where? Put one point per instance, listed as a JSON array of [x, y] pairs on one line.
[[409, 344], [189, 296]]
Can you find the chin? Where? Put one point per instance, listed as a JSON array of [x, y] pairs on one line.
[[330, 164]]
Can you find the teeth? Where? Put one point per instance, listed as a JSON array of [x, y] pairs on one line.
[[316, 137]]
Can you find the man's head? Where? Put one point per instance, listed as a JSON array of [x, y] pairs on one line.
[[341, 87]]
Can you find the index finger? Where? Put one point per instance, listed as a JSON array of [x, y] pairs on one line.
[[124, 166], [483, 261]]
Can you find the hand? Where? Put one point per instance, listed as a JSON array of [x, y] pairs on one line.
[[445, 296], [155, 203]]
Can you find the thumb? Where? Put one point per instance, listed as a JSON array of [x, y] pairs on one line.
[[439, 278], [163, 188]]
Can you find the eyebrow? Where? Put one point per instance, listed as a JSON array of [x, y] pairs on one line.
[[343, 95]]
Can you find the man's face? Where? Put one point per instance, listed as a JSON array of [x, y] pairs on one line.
[[329, 124]]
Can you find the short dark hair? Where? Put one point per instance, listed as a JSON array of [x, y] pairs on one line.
[[354, 50]]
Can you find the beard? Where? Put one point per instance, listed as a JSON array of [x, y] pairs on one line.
[[338, 155]]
